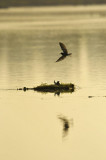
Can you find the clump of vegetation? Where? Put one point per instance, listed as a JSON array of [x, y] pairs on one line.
[[53, 87], [68, 87]]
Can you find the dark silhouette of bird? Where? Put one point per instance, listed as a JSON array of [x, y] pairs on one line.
[[57, 83], [66, 124], [64, 53]]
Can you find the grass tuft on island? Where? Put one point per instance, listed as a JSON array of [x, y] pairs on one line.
[[63, 87]]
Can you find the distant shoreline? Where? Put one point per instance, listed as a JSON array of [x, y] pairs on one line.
[[59, 8], [50, 5]]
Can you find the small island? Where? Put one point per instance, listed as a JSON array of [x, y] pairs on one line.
[[52, 88]]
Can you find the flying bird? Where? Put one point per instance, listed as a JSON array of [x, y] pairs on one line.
[[64, 53]]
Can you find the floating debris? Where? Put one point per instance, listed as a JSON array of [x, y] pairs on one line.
[[90, 96]]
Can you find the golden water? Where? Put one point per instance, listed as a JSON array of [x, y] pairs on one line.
[[30, 127]]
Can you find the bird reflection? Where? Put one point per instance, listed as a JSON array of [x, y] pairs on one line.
[[57, 93], [66, 124], [64, 53]]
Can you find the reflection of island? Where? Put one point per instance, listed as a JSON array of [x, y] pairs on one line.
[[66, 124]]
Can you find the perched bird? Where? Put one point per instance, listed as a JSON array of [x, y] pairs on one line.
[[64, 53], [57, 83]]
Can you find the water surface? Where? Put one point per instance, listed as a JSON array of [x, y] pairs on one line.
[[29, 46]]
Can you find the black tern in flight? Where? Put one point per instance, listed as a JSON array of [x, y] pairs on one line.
[[64, 53]]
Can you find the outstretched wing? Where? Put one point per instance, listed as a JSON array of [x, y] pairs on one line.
[[63, 47], [61, 58]]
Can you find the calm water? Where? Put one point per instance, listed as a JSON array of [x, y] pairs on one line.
[[31, 123]]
